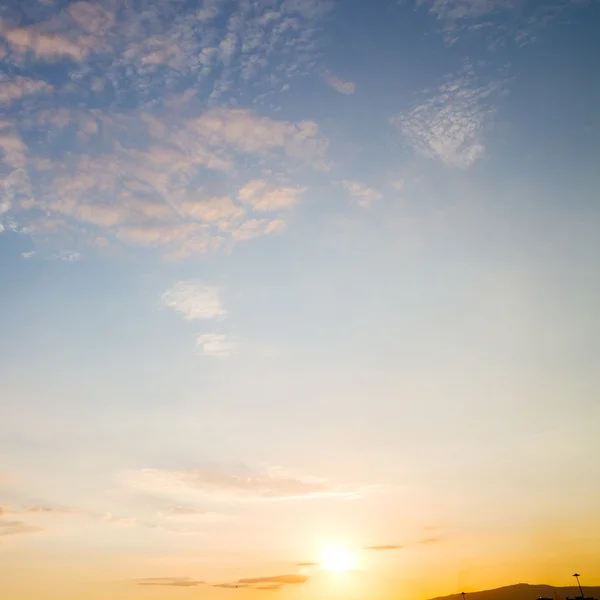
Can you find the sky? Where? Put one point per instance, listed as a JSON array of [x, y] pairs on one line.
[[298, 298]]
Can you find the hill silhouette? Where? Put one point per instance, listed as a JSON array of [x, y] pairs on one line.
[[525, 591]]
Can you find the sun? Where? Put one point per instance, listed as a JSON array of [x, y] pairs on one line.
[[337, 560]]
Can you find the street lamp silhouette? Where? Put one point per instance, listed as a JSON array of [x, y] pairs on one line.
[[576, 575]]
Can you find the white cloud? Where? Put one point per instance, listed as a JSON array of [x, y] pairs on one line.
[[265, 197], [450, 125], [275, 484], [365, 195], [215, 344], [338, 84], [194, 300]]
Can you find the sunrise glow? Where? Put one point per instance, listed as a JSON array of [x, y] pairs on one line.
[[338, 560], [299, 299]]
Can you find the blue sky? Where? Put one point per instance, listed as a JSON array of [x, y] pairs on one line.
[[289, 275]]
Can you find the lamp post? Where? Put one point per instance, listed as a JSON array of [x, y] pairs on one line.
[[576, 575]]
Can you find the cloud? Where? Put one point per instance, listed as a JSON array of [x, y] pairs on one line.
[[214, 344], [456, 10], [384, 547], [192, 514], [17, 528], [218, 50], [276, 579], [93, 18], [249, 133], [500, 21], [265, 197], [170, 581], [338, 84], [12, 146], [46, 510], [194, 300], [151, 195], [398, 185], [270, 588], [257, 227], [365, 195], [275, 485], [49, 47], [212, 210], [13, 89], [158, 165], [307, 564], [183, 511], [197, 301], [450, 125], [430, 540], [268, 583]]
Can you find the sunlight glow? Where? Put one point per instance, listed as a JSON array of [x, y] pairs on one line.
[[338, 560]]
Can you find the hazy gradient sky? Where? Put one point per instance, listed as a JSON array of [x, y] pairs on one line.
[[284, 276]]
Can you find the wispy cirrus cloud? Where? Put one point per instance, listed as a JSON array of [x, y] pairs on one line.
[[191, 513], [364, 195], [269, 582], [499, 21], [456, 10], [450, 125], [170, 581], [17, 528], [388, 547], [274, 485], [265, 583], [41, 510], [340, 85], [292, 579], [430, 540]]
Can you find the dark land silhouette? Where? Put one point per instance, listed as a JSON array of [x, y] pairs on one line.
[[525, 591]]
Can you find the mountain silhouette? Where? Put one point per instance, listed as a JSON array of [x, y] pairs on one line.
[[525, 591]]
